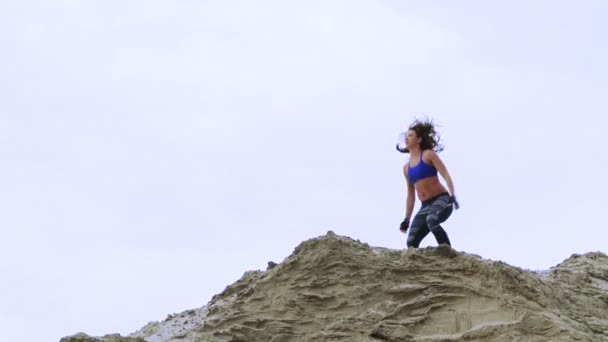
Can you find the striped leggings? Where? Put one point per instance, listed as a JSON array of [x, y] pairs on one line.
[[433, 212]]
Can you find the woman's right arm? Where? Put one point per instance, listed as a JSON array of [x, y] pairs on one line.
[[411, 195]]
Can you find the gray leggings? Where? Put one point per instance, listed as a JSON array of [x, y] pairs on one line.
[[433, 212]]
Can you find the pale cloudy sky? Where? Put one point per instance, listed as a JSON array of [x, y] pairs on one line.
[[152, 152]]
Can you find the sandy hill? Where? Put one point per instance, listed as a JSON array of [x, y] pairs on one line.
[[333, 288]]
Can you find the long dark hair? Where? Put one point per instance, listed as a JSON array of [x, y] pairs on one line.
[[430, 137]]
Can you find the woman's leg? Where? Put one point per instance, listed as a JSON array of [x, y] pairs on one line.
[[439, 211], [418, 228]]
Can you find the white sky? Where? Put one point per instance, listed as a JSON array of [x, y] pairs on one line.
[[152, 152]]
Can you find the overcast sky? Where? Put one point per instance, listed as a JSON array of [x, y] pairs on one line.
[[152, 152]]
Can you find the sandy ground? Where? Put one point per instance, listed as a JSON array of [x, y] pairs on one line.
[[333, 288]]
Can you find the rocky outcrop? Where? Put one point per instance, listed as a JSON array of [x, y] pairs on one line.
[[333, 288]]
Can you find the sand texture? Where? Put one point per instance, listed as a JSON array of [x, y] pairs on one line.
[[333, 288]]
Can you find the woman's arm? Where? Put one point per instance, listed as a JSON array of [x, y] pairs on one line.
[[438, 164], [411, 195]]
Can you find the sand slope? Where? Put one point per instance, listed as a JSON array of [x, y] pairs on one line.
[[333, 288]]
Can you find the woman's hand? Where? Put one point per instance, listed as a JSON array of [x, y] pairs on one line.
[[404, 225], [454, 202]]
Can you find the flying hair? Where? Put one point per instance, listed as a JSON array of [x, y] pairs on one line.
[[424, 129]]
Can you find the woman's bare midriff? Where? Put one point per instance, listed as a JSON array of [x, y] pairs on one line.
[[429, 187]]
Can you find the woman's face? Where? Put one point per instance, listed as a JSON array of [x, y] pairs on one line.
[[411, 139]]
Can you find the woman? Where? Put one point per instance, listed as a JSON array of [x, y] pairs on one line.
[[422, 143]]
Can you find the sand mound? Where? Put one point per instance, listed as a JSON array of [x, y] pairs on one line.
[[333, 288]]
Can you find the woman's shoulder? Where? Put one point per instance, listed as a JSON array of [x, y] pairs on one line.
[[429, 152]]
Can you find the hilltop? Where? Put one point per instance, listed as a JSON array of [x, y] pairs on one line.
[[334, 288]]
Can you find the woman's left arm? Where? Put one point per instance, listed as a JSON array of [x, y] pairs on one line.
[[438, 164]]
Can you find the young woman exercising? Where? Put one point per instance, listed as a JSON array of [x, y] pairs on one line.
[[422, 143]]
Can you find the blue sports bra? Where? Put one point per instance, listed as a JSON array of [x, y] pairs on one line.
[[420, 171]]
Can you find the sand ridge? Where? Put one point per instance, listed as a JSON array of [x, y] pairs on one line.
[[333, 288]]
